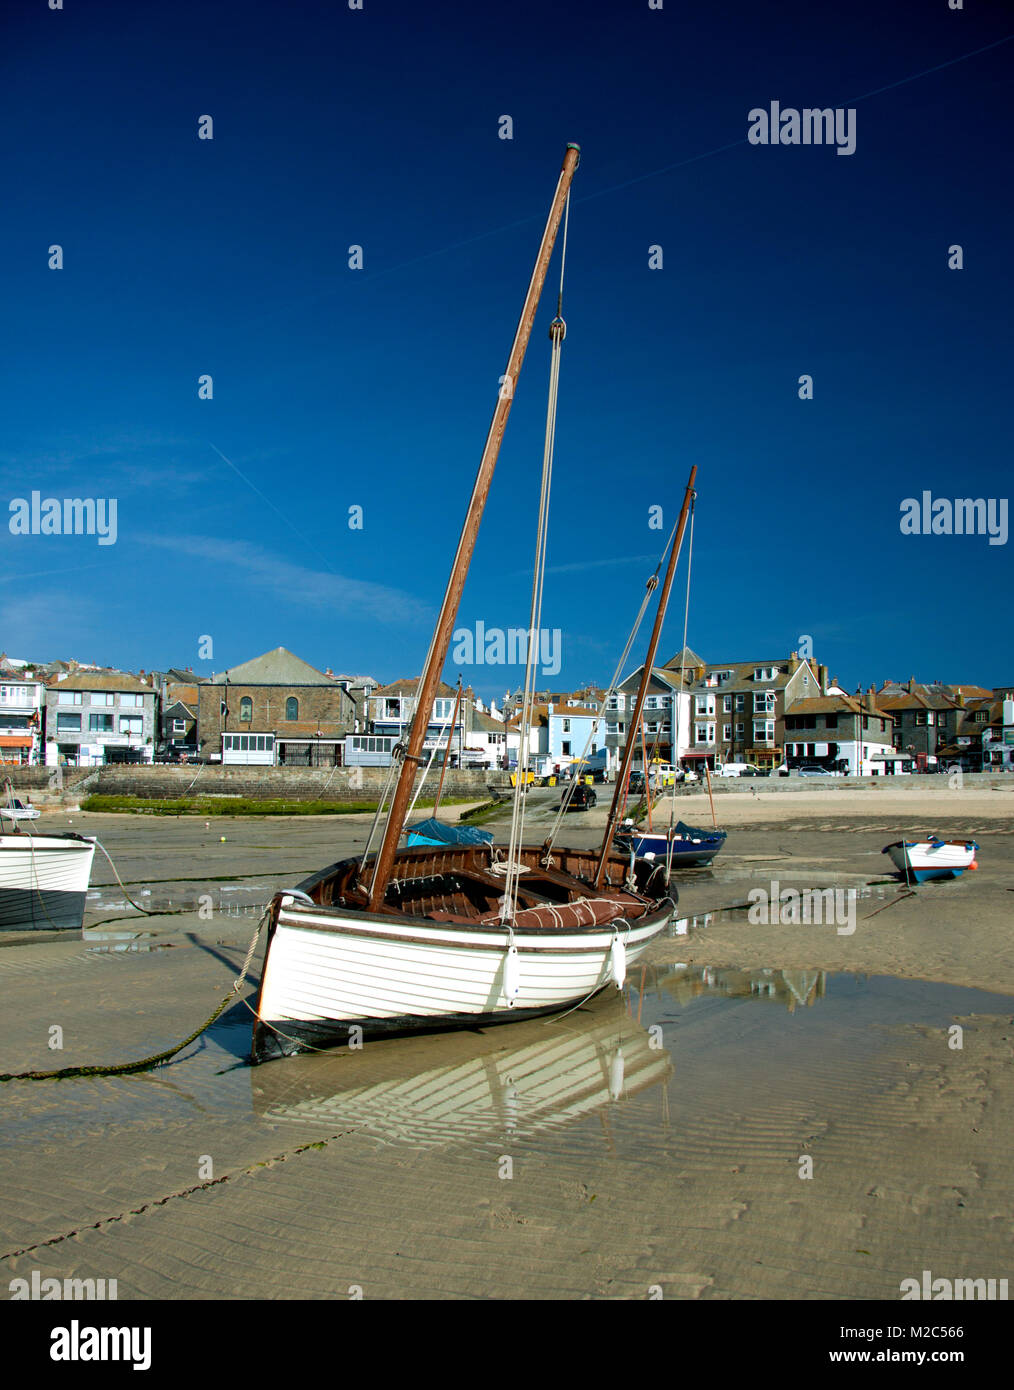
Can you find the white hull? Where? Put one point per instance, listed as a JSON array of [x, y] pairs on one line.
[[336, 968], [927, 855], [43, 881], [45, 861]]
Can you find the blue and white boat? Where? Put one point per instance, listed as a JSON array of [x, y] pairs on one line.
[[932, 857], [692, 847]]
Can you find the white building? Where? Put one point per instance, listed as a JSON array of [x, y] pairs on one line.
[[21, 700]]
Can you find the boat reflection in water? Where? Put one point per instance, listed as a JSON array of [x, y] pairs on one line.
[[445, 1087], [442, 1088]]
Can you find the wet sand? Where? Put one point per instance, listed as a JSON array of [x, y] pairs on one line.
[[654, 1138]]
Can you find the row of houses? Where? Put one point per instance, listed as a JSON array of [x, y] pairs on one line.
[[277, 709]]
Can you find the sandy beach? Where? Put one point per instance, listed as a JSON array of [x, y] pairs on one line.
[[653, 1140]]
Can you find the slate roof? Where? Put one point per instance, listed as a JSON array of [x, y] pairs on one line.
[[102, 680], [278, 667], [835, 704]]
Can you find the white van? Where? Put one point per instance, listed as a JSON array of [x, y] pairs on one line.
[[739, 770]]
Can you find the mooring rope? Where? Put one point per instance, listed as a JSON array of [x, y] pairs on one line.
[[156, 1058]]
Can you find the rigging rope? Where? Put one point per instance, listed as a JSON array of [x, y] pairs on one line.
[[557, 333]]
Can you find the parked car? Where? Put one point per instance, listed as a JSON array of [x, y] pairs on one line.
[[813, 770], [635, 785], [740, 770], [583, 798]]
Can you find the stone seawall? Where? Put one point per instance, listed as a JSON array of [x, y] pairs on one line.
[[45, 788], [260, 783]]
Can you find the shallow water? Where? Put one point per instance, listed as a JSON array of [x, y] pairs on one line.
[[675, 1038]]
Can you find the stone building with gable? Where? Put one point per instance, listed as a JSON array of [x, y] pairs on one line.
[[275, 709]]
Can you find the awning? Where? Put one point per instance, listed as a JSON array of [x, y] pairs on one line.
[[16, 740]]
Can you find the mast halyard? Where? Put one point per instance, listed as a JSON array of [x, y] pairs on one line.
[[634, 722], [437, 654]]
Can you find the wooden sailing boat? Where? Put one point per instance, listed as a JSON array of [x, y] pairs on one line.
[[417, 939]]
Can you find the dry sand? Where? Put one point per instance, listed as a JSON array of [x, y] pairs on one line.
[[385, 1169]]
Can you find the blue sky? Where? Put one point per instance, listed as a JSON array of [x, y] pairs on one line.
[[335, 387]]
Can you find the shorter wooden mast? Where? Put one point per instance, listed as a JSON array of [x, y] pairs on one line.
[[634, 723]]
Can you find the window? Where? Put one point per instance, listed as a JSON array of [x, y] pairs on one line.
[[292, 708], [130, 702], [705, 705], [102, 697], [764, 702], [566, 726], [565, 748], [830, 721], [101, 724], [705, 733], [924, 717], [68, 723], [442, 709], [392, 709], [179, 726], [740, 731], [726, 704], [69, 697], [614, 702], [726, 733], [245, 709], [740, 703], [129, 723], [764, 673], [763, 731]]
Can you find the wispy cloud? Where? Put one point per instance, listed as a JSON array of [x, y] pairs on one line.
[[591, 565], [292, 583]]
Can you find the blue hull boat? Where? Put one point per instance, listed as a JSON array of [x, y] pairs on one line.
[[691, 846]]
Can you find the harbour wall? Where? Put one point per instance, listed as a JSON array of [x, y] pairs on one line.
[[259, 783], [348, 784]]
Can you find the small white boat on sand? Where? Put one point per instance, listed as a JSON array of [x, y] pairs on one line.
[[19, 810], [44, 880], [932, 857]]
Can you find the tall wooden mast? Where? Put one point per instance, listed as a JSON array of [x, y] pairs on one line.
[[459, 570], [634, 722]]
